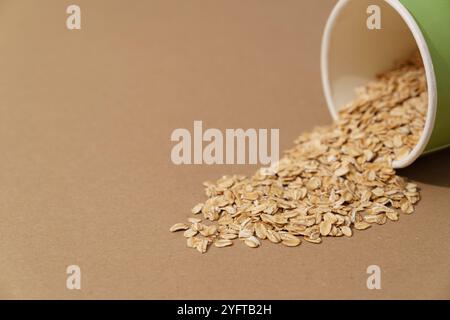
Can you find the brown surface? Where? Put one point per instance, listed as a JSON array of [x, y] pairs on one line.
[[86, 176]]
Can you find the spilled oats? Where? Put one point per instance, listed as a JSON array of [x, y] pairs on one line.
[[335, 179]]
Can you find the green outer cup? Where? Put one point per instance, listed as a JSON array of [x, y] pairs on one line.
[[433, 18], [352, 55]]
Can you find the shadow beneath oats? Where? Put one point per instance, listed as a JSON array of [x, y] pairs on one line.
[[431, 169]]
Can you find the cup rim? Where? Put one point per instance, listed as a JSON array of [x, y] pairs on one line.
[[428, 66]]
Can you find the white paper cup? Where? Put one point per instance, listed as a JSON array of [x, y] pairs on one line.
[[352, 55]]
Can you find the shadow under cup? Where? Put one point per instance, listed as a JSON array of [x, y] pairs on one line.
[[352, 55]]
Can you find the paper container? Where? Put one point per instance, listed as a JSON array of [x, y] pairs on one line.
[[352, 55]]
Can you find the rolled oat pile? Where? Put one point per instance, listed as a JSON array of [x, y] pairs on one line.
[[334, 180]]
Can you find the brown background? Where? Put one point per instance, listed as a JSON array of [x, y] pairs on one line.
[[85, 170]]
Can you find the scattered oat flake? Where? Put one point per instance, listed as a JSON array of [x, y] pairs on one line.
[[223, 243], [194, 220], [197, 208], [325, 227], [252, 242], [341, 171], [362, 225], [190, 233], [179, 227], [273, 236], [290, 240], [347, 231]]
